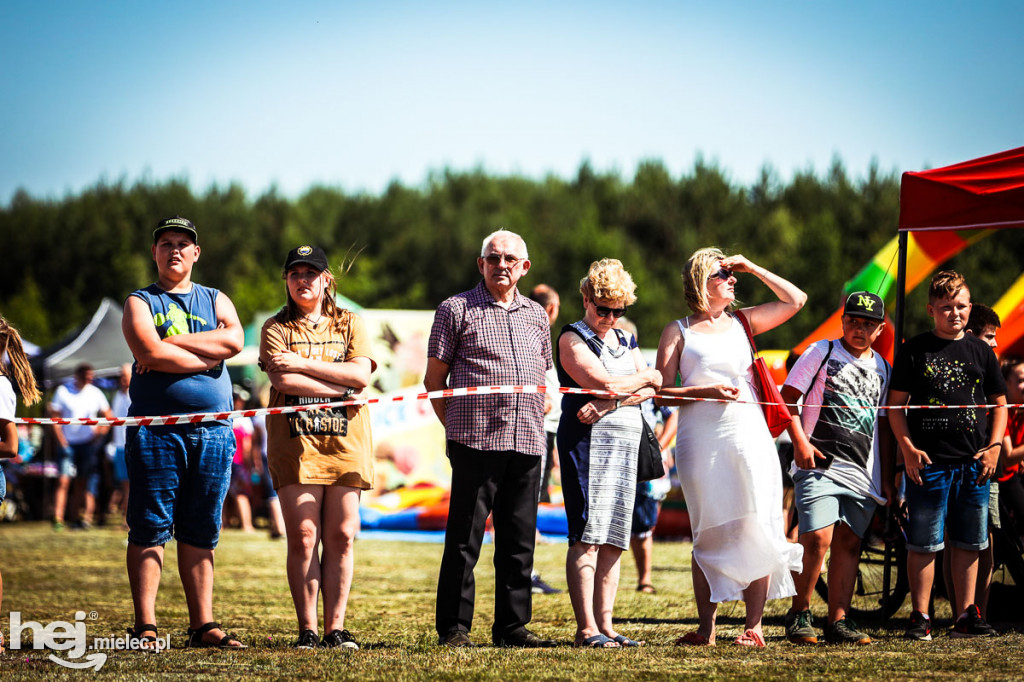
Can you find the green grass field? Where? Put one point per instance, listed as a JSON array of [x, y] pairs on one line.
[[50, 576]]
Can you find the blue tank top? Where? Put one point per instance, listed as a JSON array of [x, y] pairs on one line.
[[159, 393]]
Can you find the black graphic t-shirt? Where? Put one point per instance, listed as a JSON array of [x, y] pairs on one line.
[[937, 371]]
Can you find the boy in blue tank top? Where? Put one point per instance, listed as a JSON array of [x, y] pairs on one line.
[[180, 333]]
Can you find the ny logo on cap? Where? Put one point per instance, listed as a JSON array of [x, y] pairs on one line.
[[868, 303]]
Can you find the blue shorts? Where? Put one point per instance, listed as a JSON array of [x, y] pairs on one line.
[[948, 498], [119, 466], [645, 514], [65, 462], [179, 476], [821, 502]]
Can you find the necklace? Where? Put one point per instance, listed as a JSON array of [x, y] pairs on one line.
[[308, 319]]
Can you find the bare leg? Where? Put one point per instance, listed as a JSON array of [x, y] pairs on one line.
[[984, 577], [244, 508], [195, 567], [60, 498], [580, 572], [145, 564], [921, 573], [606, 584], [842, 571], [815, 544], [643, 551], [707, 610], [339, 527], [275, 517], [754, 598], [302, 507], [965, 574]]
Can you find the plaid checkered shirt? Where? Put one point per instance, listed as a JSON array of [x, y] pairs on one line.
[[484, 344]]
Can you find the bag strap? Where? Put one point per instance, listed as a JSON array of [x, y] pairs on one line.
[[591, 339], [823, 361], [750, 335]]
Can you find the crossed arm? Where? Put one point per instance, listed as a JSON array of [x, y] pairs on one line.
[[183, 353]]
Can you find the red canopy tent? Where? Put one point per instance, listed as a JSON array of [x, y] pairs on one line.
[[985, 193]]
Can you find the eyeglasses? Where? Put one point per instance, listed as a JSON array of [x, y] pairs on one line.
[[605, 311], [722, 274], [495, 259]]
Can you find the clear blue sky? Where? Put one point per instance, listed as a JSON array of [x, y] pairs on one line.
[[357, 94]]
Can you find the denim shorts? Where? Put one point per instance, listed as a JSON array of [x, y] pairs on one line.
[[645, 515], [119, 466], [821, 502], [65, 462], [178, 477], [948, 498]]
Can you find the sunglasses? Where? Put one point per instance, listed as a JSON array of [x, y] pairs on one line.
[[495, 259], [722, 274], [605, 311]]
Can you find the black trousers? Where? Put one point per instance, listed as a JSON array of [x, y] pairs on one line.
[[505, 483]]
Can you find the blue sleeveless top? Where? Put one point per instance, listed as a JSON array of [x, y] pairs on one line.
[[159, 393]]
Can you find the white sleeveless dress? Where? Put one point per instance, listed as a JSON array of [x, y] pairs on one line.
[[730, 473]]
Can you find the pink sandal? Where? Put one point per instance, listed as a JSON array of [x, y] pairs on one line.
[[751, 638], [693, 639]]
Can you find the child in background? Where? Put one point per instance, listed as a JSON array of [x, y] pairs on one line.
[[842, 469], [1011, 483], [13, 365], [949, 454]]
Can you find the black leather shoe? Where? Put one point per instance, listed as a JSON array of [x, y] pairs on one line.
[[457, 639], [524, 639]]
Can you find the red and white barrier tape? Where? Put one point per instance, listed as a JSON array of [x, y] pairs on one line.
[[429, 395]]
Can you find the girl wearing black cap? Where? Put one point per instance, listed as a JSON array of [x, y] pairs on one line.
[[320, 460]]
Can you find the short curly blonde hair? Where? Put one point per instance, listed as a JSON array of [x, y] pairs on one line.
[[701, 265], [608, 280]]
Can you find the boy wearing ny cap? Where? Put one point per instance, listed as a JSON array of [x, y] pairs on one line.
[[180, 333], [949, 453], [841, 468]]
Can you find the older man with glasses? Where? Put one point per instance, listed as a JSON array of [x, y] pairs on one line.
[[491, 335]]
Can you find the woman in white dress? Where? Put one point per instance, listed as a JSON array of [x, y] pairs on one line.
[[725, 455]]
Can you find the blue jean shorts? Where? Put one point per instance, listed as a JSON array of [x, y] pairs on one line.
[[821, 502], [645, 514], [178, 477], [948, 498]]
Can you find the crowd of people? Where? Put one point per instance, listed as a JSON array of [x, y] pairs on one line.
[[850, 455]]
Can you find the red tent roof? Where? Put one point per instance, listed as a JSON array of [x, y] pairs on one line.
[[983, 193]]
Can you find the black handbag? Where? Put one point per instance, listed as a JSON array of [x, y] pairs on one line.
[[649, 465]]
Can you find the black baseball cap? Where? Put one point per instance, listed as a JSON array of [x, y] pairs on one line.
[[178, 224], [865, 304], [310, 255]]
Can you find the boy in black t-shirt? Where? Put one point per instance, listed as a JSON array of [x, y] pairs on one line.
[[949, 454]]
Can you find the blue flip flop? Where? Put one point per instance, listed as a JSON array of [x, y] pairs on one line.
[[598, 641], [626, 641]]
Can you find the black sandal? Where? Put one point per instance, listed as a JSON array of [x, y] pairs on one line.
[[145, 641], [195, 639]]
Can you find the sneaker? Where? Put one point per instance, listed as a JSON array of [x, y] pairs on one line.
[[971, 624], [538, 586], [920, 627], [307, 640], [339, 638], [58, 526], [799, 628], [844, 631]]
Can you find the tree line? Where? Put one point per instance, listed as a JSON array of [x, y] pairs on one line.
[[411, 247]]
